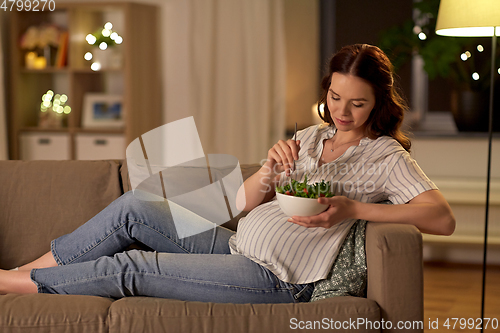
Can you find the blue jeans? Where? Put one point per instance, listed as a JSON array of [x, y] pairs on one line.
[[92, 261]]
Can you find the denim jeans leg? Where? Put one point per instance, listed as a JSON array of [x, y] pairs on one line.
[[191, 277], [127, 220]]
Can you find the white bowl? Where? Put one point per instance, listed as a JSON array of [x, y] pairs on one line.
[[297, 206]]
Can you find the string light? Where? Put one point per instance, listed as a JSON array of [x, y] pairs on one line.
[[96, 66], [56, 102], [91, 39], [106, 32]]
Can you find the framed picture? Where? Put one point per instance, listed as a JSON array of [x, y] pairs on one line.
[[102, 110]]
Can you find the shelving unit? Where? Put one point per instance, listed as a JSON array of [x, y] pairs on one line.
[[136, 79]]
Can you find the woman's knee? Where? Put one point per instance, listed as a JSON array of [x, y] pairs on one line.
[[128, 199], [127, 196], [135, 198], [139, 196], [143, 204]]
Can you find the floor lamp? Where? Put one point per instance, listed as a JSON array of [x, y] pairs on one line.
[[478, 18]]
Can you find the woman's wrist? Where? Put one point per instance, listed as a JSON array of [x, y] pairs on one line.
[[357, 208], [268, 170]]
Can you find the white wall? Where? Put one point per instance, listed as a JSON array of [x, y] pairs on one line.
[[458, 167]]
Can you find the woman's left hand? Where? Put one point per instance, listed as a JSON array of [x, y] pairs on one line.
[[340, 208]]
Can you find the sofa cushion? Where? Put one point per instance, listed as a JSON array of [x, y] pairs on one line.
[[42, 200], [41, 313], [141, 314]]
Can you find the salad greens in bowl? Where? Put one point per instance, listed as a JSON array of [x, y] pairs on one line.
[[301, 199], [304, 190]]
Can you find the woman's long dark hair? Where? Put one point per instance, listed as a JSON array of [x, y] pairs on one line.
[[371, 64]]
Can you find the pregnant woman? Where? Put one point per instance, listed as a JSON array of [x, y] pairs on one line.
[[272, 258]]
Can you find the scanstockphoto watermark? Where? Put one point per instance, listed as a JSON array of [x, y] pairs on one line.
[[27, 5], [358, 167], [356, 177], [354, 324], [348, 186], [201, 190]]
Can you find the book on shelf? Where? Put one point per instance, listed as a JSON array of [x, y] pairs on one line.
[[62, 50]]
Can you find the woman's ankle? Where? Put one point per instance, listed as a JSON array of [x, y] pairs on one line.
[[16, 283], [47, 260]]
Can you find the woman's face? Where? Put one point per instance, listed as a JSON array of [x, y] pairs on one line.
[[350, 101]]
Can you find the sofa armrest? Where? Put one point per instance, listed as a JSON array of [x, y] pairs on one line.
[[395, 272]]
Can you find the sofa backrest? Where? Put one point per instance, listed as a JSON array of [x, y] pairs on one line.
[[42, 200], [246, 170]]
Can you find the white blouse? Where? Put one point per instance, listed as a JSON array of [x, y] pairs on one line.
[[373, 171]]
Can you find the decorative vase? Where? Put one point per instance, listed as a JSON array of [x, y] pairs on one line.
[[51, 119], [470, 111], [111, 58]]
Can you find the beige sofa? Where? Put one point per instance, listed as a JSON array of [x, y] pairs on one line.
[[41, 200]]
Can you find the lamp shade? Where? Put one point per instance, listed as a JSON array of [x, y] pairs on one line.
[[473, 18]]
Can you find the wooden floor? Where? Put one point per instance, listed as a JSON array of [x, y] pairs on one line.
[[454, 291]]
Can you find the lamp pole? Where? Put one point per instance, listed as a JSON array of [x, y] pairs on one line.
[[488, 173]]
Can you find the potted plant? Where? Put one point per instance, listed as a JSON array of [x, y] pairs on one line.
[[463, 61], [104, 53]]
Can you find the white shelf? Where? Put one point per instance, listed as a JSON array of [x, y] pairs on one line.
[[45, 146], [99, 146]]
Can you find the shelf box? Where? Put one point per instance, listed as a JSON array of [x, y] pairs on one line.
[[45, 146], [100, 146]]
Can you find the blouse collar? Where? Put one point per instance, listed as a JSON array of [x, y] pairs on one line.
[[328, 131]]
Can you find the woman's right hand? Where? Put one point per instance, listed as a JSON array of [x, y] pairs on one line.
[[282, 155], [259, 187]]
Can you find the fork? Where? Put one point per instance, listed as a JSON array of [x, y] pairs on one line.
[[294, 139], [293, 168]]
